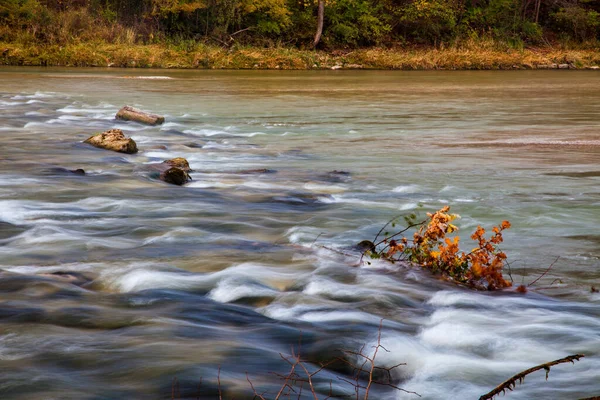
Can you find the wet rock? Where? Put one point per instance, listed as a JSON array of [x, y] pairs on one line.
[[175, 171], [257, 171], [129, 113], [114, 140], [175, 175], [63, 171], [365, 245], [336, 176], [75, 278], [563, 66], [179, 162]]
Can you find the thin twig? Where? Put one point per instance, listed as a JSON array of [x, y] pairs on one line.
[[219, 382], [545, 272], [383, 227], [520, 377], [254, 390], [317, 238], [175, 388]]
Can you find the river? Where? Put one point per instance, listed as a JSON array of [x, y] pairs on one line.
[[115, 285]]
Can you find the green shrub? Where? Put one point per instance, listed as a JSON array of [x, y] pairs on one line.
[[577, 22]]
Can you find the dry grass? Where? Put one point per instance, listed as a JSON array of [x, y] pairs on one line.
[[124, 52]]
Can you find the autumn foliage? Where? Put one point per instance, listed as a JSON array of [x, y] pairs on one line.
[[431, 248]]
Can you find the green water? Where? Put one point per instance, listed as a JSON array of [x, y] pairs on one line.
[[158, 281]]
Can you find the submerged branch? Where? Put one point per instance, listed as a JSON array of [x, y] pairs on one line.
[[512, 382]]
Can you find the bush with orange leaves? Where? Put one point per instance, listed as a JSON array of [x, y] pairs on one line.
[[432, 249]]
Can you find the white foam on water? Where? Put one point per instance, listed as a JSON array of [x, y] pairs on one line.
[[136, 278], [169, 125], [203, 184], [143, 139], [368, 203], [227, 131], [339, 316], [231, 289], [10, 103], [254, 184], [406, 189], [205, 132], [462, 345], [302, 234], [36, 95], [317, 187], [177, 235], [216, 145], [464, 200]]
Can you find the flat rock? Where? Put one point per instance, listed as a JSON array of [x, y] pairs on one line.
[[129, 113], [114, 140]]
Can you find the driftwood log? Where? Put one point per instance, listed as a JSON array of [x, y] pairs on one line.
[[129, 113], [520, 377], [114, 140]]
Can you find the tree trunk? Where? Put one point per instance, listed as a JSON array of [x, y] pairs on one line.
[[320, 15]]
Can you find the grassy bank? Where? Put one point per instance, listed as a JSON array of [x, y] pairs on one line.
[[470, 56]]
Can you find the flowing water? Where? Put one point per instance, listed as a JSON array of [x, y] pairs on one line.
[[114, 285]]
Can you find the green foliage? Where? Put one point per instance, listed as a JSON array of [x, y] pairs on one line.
[[347, 23], [502, 19], [428, 20], [355, 22], [577, 22]]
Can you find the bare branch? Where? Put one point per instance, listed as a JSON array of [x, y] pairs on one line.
[[260, 396], [520, 377], [545, 272], [219, 382]]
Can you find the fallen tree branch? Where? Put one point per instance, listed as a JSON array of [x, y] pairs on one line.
[[512, 382]]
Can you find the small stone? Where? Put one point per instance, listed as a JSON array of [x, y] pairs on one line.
[[594, 67], [563, 66], [114, 140], [336, 67]]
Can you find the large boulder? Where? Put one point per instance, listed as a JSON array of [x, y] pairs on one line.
[[129, 113], [114, 140]]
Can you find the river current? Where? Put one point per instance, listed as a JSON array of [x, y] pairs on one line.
[[114, 285]]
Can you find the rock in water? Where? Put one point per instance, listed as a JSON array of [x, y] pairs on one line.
[[114, 140], [129, 113], [176, 176], [179, 162]]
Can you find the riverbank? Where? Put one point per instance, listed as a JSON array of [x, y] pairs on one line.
[[475, 56]]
